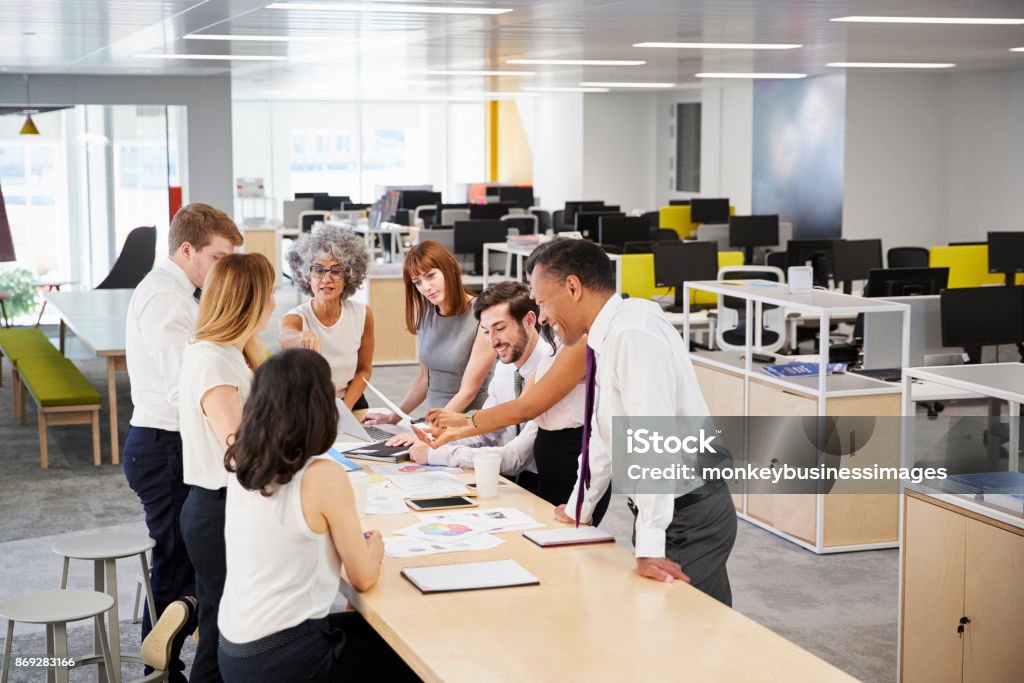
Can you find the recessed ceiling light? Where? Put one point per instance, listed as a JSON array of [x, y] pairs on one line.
[[456, 72], [611, 84], [890, 65], [749, 75], [419, 8], [268, 39], [930, 20], [242, 58], [579, 62], [723, 46], [1017, 49], [567, 89]]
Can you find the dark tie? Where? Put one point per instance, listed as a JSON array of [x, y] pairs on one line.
[[198, 293], [588, 412], [518, 382]]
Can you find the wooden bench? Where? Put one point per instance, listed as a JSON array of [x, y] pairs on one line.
[[63, 396], [22, 343]]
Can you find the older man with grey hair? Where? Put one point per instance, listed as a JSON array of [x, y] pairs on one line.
[[330, 265]]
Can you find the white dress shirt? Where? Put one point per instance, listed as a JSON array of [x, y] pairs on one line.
[[500, 390], [517, 454], [161, 319], [642, 370]]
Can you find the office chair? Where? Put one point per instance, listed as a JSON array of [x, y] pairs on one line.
[[663, 235], [731, 331], [527, 223], [134, 262], [308, 218], [653, 218], [907, 257], [543, 220], [558, 220], [638, 248], [417, 213], [776, 259]]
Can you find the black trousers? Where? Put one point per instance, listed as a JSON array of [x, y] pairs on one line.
[[152, 465], [202, 524], [557, 455], [700, 538], [338, 647]]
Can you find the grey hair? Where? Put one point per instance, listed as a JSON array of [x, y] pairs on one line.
[[331, 243]]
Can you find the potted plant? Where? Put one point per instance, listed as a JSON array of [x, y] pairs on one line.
[[18, 283]]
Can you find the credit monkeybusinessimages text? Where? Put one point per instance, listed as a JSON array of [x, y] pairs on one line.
[[751, 472]]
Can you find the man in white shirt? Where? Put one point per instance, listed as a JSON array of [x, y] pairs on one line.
[[508, 317], [637, 366], [161, 319]]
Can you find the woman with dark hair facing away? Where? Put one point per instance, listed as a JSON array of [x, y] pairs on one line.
[[455, 359], [290, 525]]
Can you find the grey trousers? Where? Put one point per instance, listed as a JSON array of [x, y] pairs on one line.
[[700, 539]]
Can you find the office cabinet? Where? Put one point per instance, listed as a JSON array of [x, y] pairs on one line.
[[959, 569], [724, 393]]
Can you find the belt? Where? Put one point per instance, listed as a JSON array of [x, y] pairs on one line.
[[691, 498], [267, 643]]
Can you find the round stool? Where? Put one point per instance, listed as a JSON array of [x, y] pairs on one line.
[[56, 608], [104, 550]]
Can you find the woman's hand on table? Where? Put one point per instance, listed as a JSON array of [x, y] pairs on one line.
[[387, 418], [439, 417], [403, 439]]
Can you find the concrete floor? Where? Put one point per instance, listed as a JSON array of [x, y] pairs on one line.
[[842, 607]]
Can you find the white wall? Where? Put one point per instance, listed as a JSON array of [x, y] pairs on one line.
[[619, 139], [554, 128], [208, 99]]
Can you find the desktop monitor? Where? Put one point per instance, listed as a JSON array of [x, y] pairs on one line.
[[483, 212], [678, 262], [410, 199], [653, 219], [309, 195], [569, 217], [292, 209], [1006, 254], [709, 210], [906, 281], [883, 333], [352, 206], [617, 230], [973, 317], [753, 231], [852, 259], [517, 196], [586, 222], [326, 202], [470, 236], [817, 253], [679, 202]]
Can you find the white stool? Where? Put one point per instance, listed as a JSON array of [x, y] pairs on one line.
[[56, 608], [104, 550]]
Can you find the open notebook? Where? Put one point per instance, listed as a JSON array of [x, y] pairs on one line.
[[469, 576]]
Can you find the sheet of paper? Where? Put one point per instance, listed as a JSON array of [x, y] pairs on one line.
[[389, 469], [498, 519], [406, 546], [387, 401], [385, 499], [469, 576], [428, 484], [445, 532]]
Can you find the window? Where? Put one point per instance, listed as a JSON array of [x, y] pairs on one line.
[[687, 150]]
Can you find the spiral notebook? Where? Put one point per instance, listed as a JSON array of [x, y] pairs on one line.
[[469, 576]]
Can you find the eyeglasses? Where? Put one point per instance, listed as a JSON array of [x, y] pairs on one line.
[[319, 271]]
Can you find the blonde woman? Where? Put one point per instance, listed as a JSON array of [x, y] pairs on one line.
[[216, 374]]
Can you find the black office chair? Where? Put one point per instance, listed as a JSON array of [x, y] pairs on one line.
[[663, 235], [135, 260], [653, 218], [638, 248], [558, 220], [776, 259], [543, 220], [907, 257]]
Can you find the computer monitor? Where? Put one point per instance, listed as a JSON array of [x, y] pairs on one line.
[[351, 206], [1006, 254], [617, 230], [402, 217], [709, 210], [569, 217], [483, 212], [410, 199], [517, 196], [586, 222], [326, 202], [883, 334], [753, 231], [906, 281], [292, 208], [678, 262], [817, 253], [470, 236], [973, 317], [852, 259], [653, 218], [309, 195], [679, 202]]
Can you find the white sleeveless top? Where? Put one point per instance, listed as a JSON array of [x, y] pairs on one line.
[[340, 342], [279, 572]]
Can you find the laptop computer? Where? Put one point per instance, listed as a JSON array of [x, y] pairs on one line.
[[350, 427]]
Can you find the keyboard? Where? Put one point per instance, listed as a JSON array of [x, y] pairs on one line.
[[884, 374], [378, 434]]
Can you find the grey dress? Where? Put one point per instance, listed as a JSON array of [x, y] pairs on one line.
[[444, 344]]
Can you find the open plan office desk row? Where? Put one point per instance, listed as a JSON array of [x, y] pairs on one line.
[[592, 618], [522, 253]]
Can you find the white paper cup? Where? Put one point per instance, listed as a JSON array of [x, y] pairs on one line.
[[487, 467], [360, 482]]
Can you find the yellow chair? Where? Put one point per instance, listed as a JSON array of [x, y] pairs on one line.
[[678, 218], [968, 265]]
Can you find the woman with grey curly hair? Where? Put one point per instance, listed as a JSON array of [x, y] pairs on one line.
[[330, 265]]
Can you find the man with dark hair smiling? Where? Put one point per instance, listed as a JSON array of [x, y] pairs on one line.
[[636, 366]]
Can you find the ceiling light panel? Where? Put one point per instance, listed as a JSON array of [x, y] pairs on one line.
[[729, 74], [722, 46], [624, 84], [390, 8], [578, 62], [964, 21], [891, 65]]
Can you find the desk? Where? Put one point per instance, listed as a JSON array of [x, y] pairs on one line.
[[521, 255], [591, 618], [51, 286], [369, 232], [97, 317]]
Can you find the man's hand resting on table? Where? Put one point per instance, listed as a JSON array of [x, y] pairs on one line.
[[660, 569], [560, 516]]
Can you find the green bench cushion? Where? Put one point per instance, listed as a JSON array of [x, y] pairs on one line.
[[25, 343], [55, 381]]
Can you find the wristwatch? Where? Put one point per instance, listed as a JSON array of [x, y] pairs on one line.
[[469, 418]]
